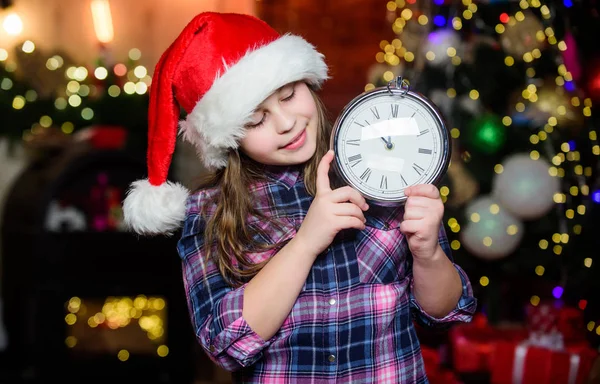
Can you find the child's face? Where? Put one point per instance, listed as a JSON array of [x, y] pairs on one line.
[[283, 130]]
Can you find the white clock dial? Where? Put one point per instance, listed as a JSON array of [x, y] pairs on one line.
[[385, 142]]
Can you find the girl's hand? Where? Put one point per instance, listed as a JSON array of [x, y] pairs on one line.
[[423, 213], [330, 212]]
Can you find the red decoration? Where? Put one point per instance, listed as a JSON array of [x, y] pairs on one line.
[[571, 56], [593, 79], [542, 318], [437, 374], [520, 363], [104, 136], [473, 344], [570, 324]]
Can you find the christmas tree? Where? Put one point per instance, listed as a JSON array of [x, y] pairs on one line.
[[516, 81], [47, 94]]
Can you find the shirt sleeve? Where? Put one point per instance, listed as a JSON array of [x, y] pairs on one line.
[[215, 307], [467, 303]]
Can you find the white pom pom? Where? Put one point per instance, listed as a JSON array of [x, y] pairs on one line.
[[154, 209]]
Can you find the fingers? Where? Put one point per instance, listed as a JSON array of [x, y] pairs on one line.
[[420, 201], [424, 190], [344, 194], [323, 173], [352, 222], [410, 226], [416, 213], [349, 209]]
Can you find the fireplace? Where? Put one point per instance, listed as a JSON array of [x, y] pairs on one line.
[[85, 300]]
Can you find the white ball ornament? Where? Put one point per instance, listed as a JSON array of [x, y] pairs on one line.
[[439, 42], [442, 100], [525, 187], [491, 232]]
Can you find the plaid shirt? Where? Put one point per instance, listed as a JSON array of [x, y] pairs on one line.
[[351, 323]]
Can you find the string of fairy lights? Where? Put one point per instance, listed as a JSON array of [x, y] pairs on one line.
[[80, 85], [572, 202]]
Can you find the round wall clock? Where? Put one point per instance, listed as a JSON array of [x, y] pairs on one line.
[[390, 138]]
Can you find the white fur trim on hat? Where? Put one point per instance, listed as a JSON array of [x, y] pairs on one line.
[[216, 124], [152, 210]]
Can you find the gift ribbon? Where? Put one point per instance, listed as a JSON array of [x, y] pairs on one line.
[[574, 368], [519, 365]]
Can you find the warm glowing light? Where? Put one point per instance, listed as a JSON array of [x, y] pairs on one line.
[[102, 21], [123, 355], [12, 24]]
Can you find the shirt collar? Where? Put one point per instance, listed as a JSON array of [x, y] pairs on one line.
[[284, 175]]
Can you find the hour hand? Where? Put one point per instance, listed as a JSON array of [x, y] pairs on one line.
[[388, 142]]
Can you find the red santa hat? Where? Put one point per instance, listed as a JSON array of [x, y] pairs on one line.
[[219, 69]]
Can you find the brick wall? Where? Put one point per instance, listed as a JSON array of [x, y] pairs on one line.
[[348, 32]]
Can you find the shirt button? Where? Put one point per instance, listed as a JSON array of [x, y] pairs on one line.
[[331, 301], [331, 358]]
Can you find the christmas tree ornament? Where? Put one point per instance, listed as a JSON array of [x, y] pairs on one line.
[[470, 105], [571, 56], [464, 185], [519, 37], [486, 134], [440, 98], [525, 188], [491, 232], [388, 139], [555, 101], [440, 42], [593, 79]]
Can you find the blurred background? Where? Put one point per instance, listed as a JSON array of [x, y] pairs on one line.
[[84, 301]]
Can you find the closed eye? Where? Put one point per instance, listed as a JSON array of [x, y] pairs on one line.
[[290, 97], [256, 125]]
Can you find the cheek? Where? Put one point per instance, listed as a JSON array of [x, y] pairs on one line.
[[255, 144]]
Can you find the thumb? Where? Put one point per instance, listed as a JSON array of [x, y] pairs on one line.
[[323, 173]]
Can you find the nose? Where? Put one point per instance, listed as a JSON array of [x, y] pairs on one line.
[[285, 120]]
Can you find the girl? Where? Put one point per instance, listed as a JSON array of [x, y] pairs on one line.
[[288, 280]]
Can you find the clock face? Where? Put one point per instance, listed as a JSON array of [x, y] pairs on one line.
[[385, 141]]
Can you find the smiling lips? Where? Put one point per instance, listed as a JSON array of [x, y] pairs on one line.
[[297, 142]]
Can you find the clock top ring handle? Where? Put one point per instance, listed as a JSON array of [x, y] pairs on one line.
[[399, 83]]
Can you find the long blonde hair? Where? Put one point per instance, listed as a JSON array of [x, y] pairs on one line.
[[227, 235]]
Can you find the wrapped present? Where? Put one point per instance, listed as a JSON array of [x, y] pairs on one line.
[[443, 376], [436, 373], [472, 344], [571, 325], [524, 363], [542, 318]]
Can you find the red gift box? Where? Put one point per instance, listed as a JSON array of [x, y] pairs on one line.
[[571, 325], [520, 363], [436, 374], [542, 318], [473, 344]]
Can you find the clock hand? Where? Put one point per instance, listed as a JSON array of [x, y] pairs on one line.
[[388, 142]]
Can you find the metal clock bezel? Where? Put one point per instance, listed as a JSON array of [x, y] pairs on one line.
[[400, 88]]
